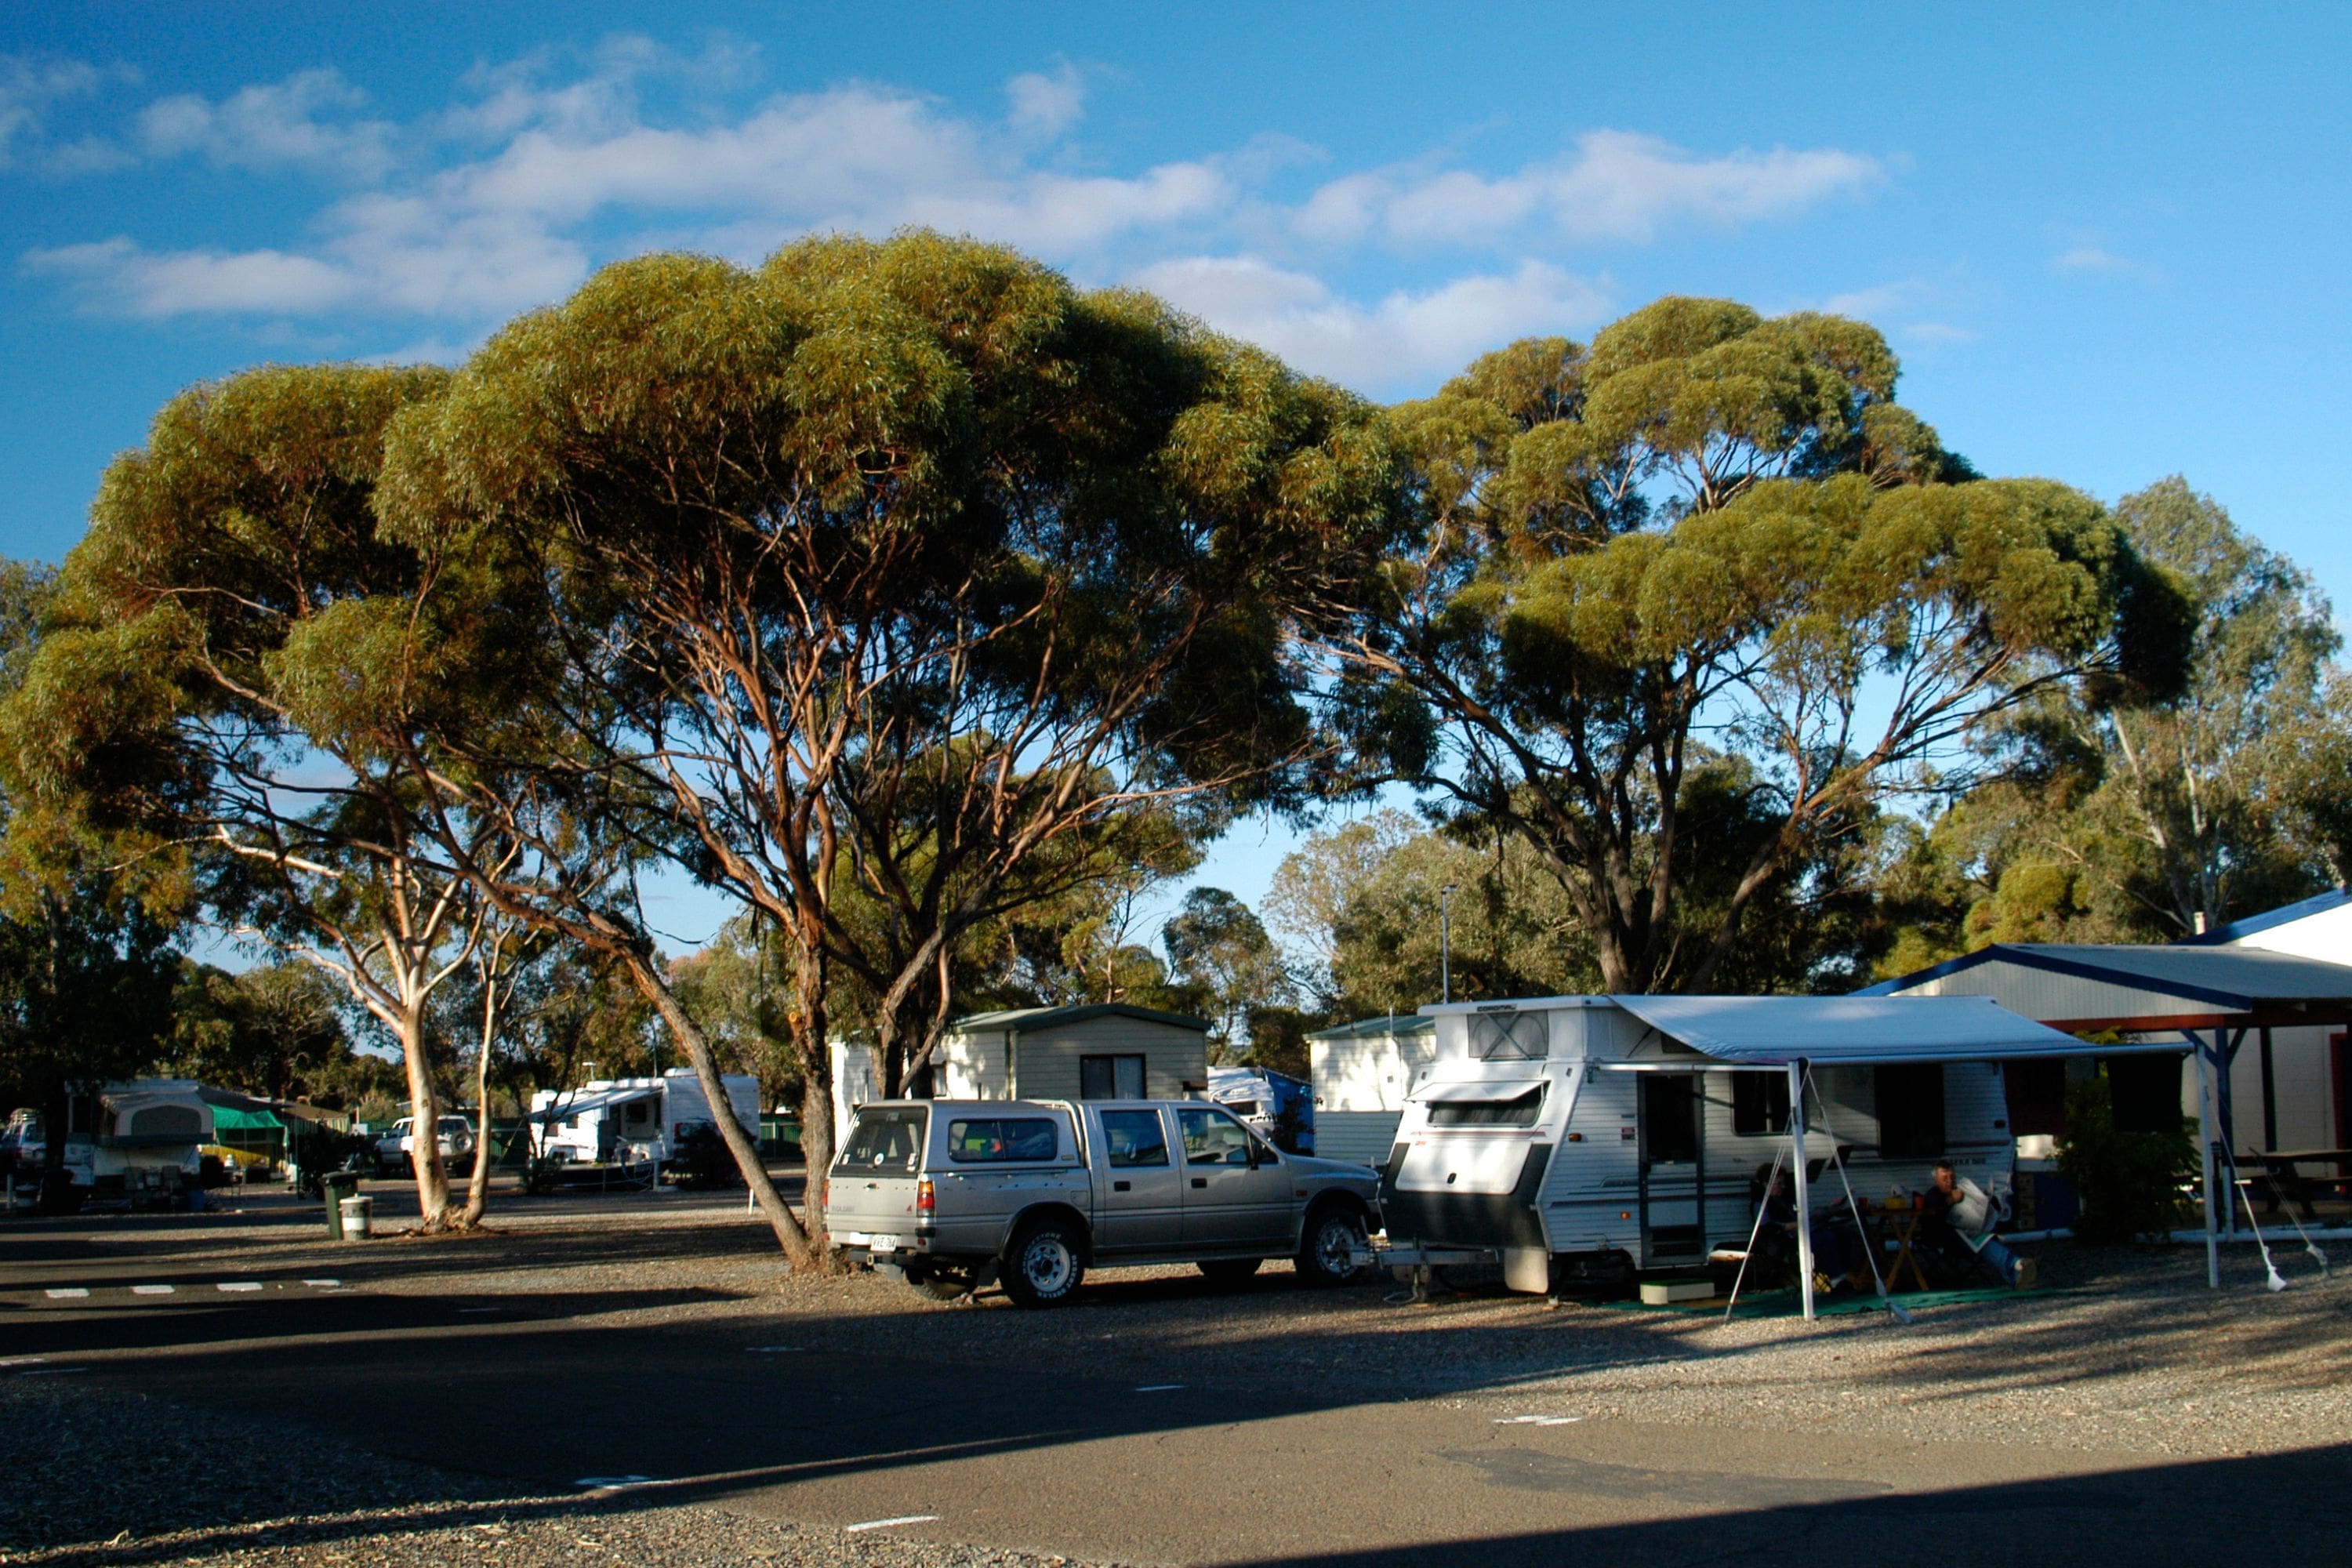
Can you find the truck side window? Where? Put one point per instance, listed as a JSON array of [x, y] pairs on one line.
[[1132, 1138], [1000, 1139], [1211, 1138]]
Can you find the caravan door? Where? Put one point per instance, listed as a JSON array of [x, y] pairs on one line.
[[1672, 1169]]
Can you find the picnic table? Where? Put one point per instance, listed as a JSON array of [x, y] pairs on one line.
[[2284, 1181]]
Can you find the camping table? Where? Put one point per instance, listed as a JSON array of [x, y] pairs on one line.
[[1902, 1227], [2285, 1180]]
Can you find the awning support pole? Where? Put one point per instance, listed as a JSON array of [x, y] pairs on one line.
[[1804, 1198], [2205, 1142]]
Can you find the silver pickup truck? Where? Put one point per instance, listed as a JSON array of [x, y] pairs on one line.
[[954, 1194]]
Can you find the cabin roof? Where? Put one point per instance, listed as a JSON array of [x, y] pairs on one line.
[[2233, 979], [2269, 919], [1030, 1018]]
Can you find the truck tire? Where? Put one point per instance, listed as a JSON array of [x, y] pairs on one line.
[[1228, 1270], [1334, 1236], [1045, 1264]]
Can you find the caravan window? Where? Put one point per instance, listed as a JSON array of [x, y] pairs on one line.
[[995, 1140], [887, 1138], [1519, 1111], [1759, 1103], [1910, 1110], [1509, 1037]]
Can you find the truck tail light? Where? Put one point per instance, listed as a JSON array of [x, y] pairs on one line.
[[927, 1197]]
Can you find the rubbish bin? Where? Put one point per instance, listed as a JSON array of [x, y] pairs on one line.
[[359, 1217], [337, 1185]]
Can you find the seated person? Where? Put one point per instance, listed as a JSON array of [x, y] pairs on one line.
[[1833, 1263], [1956, 1221]]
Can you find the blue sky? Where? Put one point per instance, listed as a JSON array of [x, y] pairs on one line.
[[2110, 245]]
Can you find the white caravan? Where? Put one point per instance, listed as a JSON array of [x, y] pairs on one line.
[[628, 1120], [1586, 1136]]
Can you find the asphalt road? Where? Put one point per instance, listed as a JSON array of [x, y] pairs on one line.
[[1136, 1454]]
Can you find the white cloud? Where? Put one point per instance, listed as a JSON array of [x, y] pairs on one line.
[[1404, 339], [304, 122], [1617, 185], [1047, 105], [144, 283], [28, 88], [2093, 258]]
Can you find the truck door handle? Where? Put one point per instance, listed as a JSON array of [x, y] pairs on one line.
[[1200, 1181], [1121, 1187]]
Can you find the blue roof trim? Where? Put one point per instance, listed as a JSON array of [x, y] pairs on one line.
[[2079, 969], [2286, 914]]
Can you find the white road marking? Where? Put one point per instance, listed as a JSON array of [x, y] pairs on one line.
[[481, 1309], [68, 1292], [1159, 1388], [1536, 1420], [24, 1361], [324, 1284], [611, 1483], [51, 1371], [237, 1285], [886, 1523], [151, 1289]]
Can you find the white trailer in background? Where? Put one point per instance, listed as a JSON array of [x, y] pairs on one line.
[[1361, 1073], [629, 1121], [1597, 1136]]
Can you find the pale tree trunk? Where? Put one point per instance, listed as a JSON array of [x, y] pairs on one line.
[[816, 1082], [477, 1186], [804, 1251], [424, 1109]]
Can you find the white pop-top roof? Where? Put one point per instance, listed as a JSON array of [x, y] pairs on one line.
[[1767, 1031]]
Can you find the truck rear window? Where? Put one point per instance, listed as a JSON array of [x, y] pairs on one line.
[[889, 1138], [978, 1139], [1519, 1111]]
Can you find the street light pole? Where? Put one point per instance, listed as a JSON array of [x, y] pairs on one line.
[[1445, 942]]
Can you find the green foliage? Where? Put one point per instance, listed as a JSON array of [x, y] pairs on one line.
[[277, 1031], [2130, 1182], [1220, 954]]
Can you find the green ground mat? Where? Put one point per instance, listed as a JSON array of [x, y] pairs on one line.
[[1786, 1303]]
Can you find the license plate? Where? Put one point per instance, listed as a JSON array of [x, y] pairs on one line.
[[882, 1244]]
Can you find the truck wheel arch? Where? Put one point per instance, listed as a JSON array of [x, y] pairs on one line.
[[1056, 1211], [1324, 1204]]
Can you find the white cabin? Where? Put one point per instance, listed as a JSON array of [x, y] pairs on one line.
[[1361, 1073]]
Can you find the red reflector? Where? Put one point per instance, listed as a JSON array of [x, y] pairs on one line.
[[926, 1199]]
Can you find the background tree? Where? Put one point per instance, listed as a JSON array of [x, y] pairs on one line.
[[898, 566], [1220, 954], [1709, 536], [276, 1031]]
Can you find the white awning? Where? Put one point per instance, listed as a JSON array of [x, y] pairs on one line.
[[1459, 1091], [565, 1110], [1771, 1031]]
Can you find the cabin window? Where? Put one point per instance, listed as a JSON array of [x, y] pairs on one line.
[[2037, 1097], [1132, 1138], [1759, 1103], [1910, 1111], [996, 1140], [1110, 1077], [1518, 1110], [1670, 1118], [2145, 1093], [1508, 1037]]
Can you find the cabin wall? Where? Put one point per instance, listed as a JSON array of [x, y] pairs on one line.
[[1367, 1072], [976, 1066], [1045, 1061]]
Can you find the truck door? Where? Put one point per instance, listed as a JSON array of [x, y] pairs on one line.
[[1139, 1186], [1230, 1201], [1672, 1165]]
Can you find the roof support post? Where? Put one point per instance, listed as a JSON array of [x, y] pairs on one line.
[[2205, 1143], [1804, 1197]]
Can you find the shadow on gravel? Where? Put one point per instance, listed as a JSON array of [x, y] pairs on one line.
[[2286, 1508]]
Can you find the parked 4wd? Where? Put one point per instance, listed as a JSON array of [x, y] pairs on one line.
[[955, 1193]]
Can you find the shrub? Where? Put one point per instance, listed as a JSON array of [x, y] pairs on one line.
[[2130, 1182]]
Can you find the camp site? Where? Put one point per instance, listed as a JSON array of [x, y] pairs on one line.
[[1334, 787]]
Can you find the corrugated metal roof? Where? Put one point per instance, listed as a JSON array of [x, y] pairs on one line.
[[2286, 914], [1766, 1031], [1400, 1025], [2237, 979], [1055, 1017]]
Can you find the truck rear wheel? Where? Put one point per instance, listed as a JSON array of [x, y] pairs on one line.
[[1328, 1253], [1045, 1264]]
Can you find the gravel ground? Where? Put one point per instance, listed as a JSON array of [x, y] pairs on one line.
[[2121, 1352]]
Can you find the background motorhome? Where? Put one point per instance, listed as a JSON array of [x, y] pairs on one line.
[[1361, 1073], [1598, 1133], [1105, 1050], [1279, 1107], [631, 1120]]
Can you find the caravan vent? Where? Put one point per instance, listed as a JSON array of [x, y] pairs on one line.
[[1509, 1037]]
